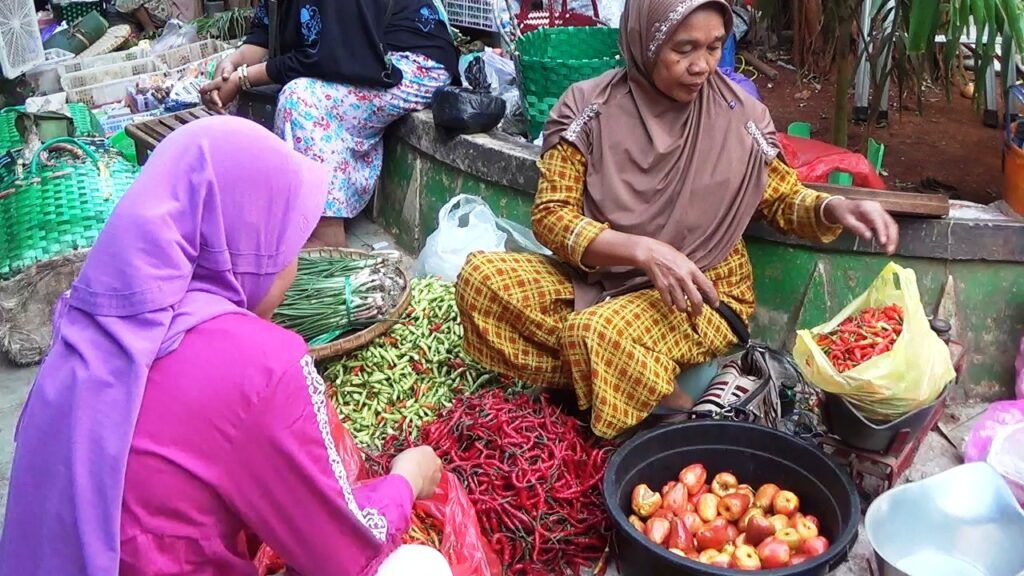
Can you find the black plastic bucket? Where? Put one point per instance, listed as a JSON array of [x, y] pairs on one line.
[[756, 455], [850, 426]]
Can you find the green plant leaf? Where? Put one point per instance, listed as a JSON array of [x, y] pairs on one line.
[[924, 21]]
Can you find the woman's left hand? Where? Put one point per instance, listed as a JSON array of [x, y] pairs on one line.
[[865, 218]]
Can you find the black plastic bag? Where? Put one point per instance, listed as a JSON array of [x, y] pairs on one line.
[[476, 75], [468, 110], [463, 111]]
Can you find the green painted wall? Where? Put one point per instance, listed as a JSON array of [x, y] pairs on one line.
[[415, 186]]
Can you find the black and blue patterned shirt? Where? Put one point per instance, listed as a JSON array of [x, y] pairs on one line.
[[348, 41]]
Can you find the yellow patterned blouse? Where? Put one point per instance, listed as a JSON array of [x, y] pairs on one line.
[[559, 223]]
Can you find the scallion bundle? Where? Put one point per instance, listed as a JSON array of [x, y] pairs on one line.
[[333, 295]]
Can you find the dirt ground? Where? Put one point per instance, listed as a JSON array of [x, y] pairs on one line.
[[947, 143]]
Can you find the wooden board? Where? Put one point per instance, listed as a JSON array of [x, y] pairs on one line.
[[148, 135], [896, 203]]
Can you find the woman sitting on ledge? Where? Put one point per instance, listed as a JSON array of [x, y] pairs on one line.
[[649, 177], [349, 69]]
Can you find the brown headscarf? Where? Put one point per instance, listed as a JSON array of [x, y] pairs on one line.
[[690, 175]]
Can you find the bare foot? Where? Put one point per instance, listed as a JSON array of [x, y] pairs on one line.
[[677, 400], [329, 233]]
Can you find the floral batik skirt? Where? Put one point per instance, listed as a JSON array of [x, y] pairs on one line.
[[341, 126]]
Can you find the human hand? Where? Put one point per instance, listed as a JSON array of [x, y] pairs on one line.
[[679, 281], [865, 218], [225, 69], [421, 467], [219, 93], [209, 94]]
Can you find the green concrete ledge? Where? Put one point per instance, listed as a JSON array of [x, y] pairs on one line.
[[970, 266]]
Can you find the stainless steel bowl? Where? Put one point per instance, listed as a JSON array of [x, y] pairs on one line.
[[963, 522]]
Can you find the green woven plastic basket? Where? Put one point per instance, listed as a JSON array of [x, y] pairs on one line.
[[86, 125], [552, 59], [53, 209]]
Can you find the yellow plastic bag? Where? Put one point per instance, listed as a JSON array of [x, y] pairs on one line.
[[886, 387]]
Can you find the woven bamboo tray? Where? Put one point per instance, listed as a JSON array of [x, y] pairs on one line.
[[361, 338]]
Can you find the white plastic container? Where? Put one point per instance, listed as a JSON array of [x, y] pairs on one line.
[[178, 57], [116, 90], [45, 78], [110, 73], [80, 64], [477, 14]]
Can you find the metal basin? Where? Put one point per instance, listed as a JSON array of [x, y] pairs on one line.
[[963, 522]]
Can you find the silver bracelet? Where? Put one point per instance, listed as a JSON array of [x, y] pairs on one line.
[[821, 209]]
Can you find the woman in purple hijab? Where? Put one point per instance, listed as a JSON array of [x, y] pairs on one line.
[[170, 416]]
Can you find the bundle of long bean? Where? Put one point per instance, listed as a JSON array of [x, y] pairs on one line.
[[333, 295], [533, 474], [402, 379]]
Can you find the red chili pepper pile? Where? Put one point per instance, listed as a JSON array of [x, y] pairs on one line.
[[863, 337], [533, 474]]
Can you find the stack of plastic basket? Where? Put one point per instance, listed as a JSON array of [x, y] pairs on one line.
[[552, 59]]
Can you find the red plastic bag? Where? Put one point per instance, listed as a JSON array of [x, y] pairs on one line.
[[814, 160], [351, 455], [462, 544]]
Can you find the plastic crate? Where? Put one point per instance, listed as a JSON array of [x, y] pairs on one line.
[[178, 57], [115, 91], [99, 94], [21, 46], [80, 64], [477, 14], [201, 68], [110, 73], [45, 78]]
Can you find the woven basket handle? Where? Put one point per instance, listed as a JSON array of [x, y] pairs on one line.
[[34, 168]]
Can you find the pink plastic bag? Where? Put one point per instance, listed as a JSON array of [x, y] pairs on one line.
[[814, 160], [998, 416]]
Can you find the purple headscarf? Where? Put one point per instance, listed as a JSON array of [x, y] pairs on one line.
[[222, 207]]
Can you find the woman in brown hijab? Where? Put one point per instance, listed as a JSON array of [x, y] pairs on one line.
[[649, 176]]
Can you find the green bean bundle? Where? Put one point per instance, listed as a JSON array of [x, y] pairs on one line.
[[334, 295]]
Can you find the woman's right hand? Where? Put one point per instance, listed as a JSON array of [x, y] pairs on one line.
[[421, 467], [226, 68], [679, 281]]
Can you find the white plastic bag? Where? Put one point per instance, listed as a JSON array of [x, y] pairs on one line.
[[175, 35], [465, 225], [1007, 457], [611, 11]]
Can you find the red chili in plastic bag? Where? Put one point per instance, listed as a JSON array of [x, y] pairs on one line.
[[860, 338]]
